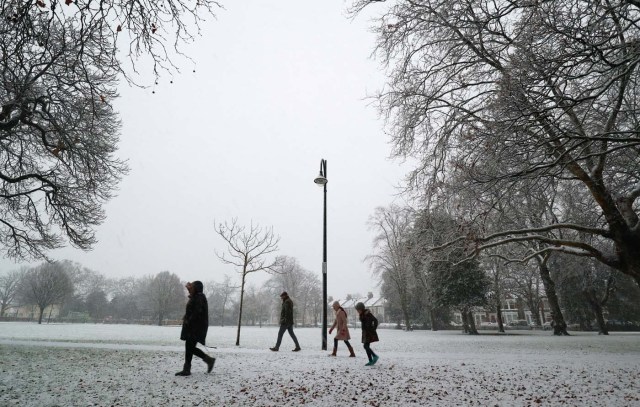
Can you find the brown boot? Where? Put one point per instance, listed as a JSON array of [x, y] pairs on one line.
[[351, 354], [335, 349]]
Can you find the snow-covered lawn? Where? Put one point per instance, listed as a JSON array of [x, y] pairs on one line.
[[128, 365]]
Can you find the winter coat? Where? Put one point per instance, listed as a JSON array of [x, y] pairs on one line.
[[369, 326], [341, 325], [195, 322], [286, 313]]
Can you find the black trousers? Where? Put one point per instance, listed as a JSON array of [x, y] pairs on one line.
[[191, 349]]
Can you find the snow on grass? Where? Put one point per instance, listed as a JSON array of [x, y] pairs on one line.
[[129, 365]]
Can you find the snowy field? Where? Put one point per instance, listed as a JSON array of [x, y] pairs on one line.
[[128, 365]]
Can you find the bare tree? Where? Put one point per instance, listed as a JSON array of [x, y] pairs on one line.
[[227, 289], [59, 69], [219, 296], [165, 295], [258, 303], [249, 250], [97, 304], [9, 285], [495, 270], [125, 293], [525, 283], [510, 91], [46, 285], [391, 259], [85, 280], [301, 284]]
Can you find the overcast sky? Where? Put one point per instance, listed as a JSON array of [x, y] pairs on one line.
[[277, 86]]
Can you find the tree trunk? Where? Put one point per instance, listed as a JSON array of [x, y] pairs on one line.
[[244, 276], [224, 304], [472, 324], [535, 312], [405, 313], [541, 311], [465, 322], [499, 316], [434, 322], [596, 307], [498, 291], [559, 326], [40, 315]]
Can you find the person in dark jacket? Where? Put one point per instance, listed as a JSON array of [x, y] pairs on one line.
[[369, 334], [195, 324], [286, 322]]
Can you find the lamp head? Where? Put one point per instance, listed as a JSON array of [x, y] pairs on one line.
[[320, 180]]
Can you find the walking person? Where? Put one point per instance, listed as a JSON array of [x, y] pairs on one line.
[[341, 325], [195, 324], [286, 322], [369, 334]]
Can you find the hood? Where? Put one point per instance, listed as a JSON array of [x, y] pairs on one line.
[[197, 286]]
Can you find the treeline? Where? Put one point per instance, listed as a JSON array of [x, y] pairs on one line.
[[425, 288], [83, 295]]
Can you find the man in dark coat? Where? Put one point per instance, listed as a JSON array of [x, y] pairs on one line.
[[195, 324], [286, 322]]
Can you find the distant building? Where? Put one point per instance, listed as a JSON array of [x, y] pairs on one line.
[[375, 304], [31, 312], [512, 310]]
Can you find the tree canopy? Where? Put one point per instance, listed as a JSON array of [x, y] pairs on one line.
[[496, 97], [60, 63]]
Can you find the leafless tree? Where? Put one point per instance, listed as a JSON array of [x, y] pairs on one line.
[[45, 285], [302, 285], [525, 282], [126, 297], [249, 250], [59, 132], [9, 285], [258, 303], [546, 91], [391, 259], [495, 270], [220, 295], [97, 304], [165, 295], [85, 280]]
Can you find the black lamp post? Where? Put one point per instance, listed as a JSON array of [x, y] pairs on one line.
[[321, 179]]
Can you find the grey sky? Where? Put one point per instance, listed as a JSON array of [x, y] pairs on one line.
[[277, 86]]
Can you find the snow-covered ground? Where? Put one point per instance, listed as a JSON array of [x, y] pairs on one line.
[[129, 365]]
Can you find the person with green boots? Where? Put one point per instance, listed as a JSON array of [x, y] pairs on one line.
[[195, 324], [369, 334]]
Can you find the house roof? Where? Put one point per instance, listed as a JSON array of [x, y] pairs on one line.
[[368, 302]]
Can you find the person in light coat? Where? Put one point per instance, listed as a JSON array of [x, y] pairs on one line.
[[341, 325]]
